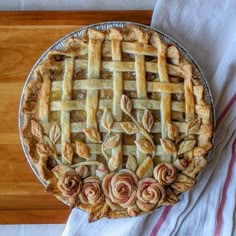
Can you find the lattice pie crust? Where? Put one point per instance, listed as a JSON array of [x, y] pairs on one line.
[[116, 123]]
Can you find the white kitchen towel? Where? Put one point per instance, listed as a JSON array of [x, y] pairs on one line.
[[207, 29]]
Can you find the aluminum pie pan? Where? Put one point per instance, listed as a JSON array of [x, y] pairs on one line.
[[58, 45]]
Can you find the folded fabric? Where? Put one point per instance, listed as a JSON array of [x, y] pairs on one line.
[[207, 30]]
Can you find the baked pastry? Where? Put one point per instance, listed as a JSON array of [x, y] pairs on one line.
[[116, 122]]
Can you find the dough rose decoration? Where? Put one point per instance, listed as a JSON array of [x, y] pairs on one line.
[[121, 187], [165, 173], [91, 192], [150, 194], [70, 185]]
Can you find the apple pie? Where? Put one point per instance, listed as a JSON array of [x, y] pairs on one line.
[[116, 122]]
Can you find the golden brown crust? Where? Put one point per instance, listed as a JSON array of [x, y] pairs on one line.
[[115, 123]]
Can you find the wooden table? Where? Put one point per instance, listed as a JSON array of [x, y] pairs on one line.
[[24, 36]]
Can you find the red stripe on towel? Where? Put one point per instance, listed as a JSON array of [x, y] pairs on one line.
[[160, 221], [226, 185], [222, 115]]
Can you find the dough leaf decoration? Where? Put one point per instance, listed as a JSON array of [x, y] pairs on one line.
[[43, 150], [168, 146], [112, 142], [126, 104], [107, 119], [98, 212], [115, 162], [186, 146], [67, 152], [147, 120], [93, 135], [55, 133], [193, 126], [131, 163], [82, 149], [36, 129], [144, 146], [173, 131], [129, 127], [145, 169]]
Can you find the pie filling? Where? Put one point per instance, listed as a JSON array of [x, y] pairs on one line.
[[116, 123]]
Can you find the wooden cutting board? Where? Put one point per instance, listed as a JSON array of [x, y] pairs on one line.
[[24, 36]]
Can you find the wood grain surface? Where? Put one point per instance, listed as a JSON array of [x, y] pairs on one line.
[[24, 36]]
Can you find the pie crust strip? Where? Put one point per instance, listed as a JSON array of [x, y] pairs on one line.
[[160, 87], [116, 52], [189, 101], [94, 68], [121, 66], [165, 98], [66, 96], [188, 88], [45, 99], [178, 106], [140, 69]]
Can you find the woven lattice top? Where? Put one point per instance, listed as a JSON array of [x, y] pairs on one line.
[[117, 104]]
